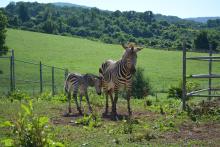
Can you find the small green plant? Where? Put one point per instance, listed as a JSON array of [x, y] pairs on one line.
[[141, 136], [148, 102], [29, 130], [61, 97], [176, 91], [45, 96], [127, 126], [19, 95], [89, 122]]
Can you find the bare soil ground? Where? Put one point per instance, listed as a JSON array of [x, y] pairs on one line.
[[209, 131]]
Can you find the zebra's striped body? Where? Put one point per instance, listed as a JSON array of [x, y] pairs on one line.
[[118, 74], [77, 82]]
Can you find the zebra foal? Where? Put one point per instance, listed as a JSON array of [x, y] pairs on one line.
[[118, 74], [77, 82]]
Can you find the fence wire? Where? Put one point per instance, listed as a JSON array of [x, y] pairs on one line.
[[4, 75], [26, 76]]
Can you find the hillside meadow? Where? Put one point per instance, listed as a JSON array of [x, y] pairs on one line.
[[163, 68]]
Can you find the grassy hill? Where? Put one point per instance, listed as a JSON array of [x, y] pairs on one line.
[[81, 55]]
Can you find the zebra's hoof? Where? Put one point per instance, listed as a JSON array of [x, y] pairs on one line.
[[66, 114], [115, 117], [105, 114]]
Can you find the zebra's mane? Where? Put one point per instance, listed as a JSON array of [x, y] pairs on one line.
[[91, 75], [131, 44], [90, 78]]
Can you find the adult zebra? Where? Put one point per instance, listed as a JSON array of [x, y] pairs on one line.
[[75, 82], [116, 74]]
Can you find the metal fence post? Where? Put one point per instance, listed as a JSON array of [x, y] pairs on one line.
[[13, 68], [41, 78], [53, 88], [210, 70], [184, 78], [11, 74]]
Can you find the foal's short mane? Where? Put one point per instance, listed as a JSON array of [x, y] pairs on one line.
[[92, 76]]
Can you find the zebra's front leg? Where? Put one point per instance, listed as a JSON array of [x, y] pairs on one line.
[[106, 104], [77, 105], [128, 101], [87, 99], [114, 107]]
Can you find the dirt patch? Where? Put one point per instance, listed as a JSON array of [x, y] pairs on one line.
[[208, 131], [63, 119]]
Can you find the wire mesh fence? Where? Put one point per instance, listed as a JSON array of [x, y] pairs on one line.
[[28, 76]]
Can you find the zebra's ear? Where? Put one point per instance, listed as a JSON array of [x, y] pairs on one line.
[[138, 49], [124, 46]]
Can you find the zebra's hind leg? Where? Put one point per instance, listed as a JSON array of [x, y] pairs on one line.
[[112, 100], [76, 101], [87, 99], [69, 102], [114, 107]]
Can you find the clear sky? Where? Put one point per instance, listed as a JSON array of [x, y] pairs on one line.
[[180, 8]]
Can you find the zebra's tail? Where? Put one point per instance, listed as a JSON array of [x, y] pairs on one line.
[[66, 86], [104, 67]]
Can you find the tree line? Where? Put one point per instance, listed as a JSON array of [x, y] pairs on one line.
[[146, 28]]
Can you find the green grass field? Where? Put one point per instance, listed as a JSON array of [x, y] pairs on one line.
[[81, 55]]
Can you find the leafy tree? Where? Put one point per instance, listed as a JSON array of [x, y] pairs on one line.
[[150, 29], [201, 42], [3, 23], [50, 27], [213, 23], [23, 12]]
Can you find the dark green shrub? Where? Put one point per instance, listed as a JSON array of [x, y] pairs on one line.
[[141, 85], [175, 92]]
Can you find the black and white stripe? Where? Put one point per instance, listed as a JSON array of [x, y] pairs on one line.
[[79, 83], [118, 74]]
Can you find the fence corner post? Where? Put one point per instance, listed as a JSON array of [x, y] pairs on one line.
[[184, 77], [210, 71]]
